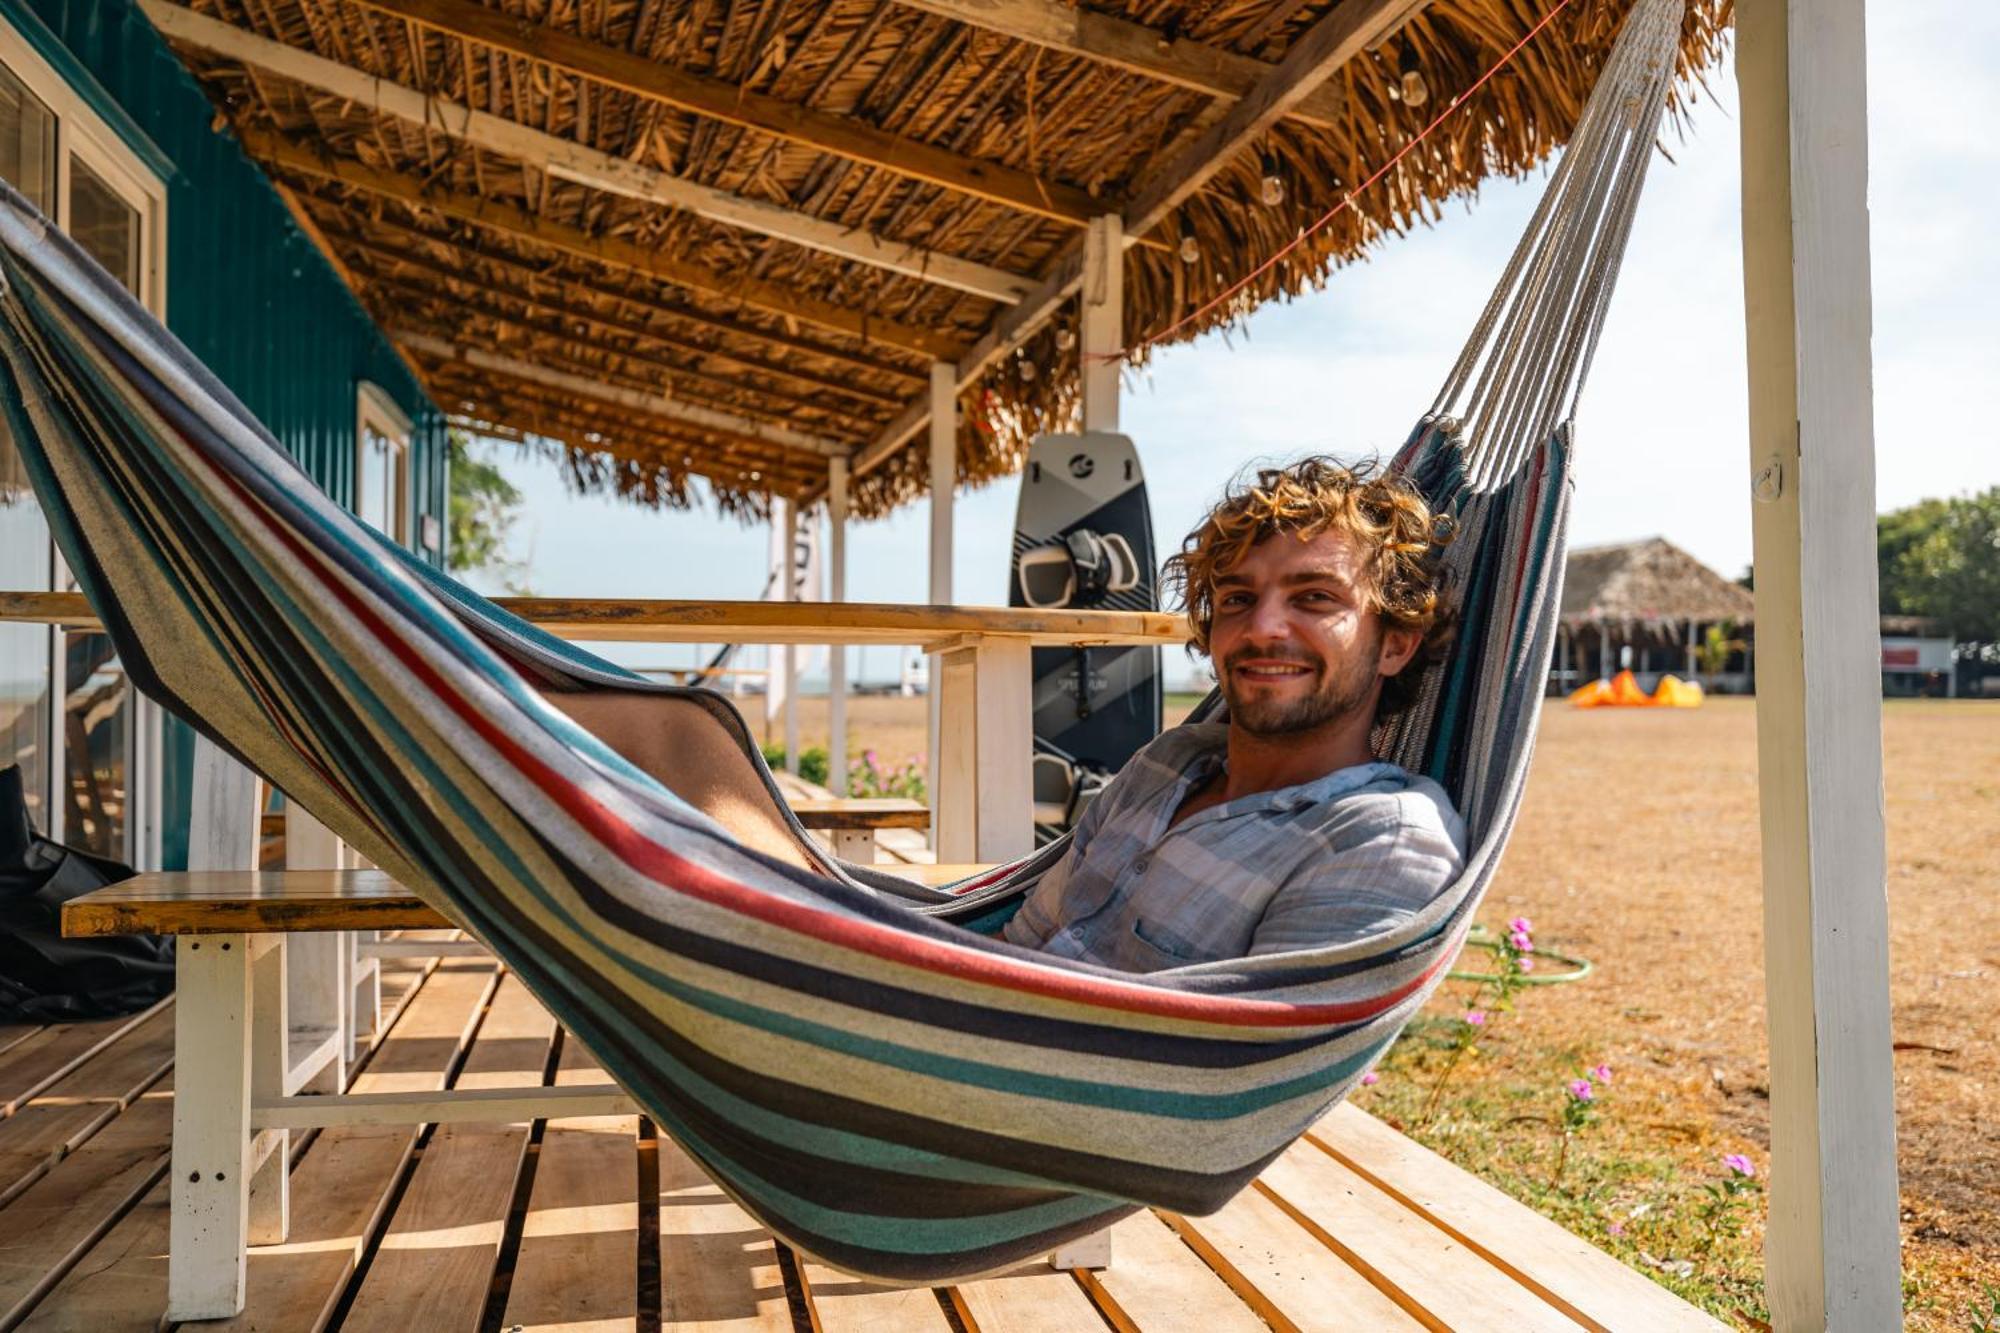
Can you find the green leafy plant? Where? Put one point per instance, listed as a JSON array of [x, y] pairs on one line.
[[1581, 1108], [1729, 1199], [1984, 1316], [813, 762], [1515, 954]]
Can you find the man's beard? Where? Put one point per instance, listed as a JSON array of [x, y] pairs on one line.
[[1339, 691]]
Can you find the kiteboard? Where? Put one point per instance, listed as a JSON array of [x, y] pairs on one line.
[[1083, 538]]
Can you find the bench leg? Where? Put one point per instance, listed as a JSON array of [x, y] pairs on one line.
[[211, 1150], [1092, 1251], [855, 845], [269, 1220]]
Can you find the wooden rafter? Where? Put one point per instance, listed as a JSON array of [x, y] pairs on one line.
[[671, 409], [281, 152], [1109, 40], [583, 286], [716, 99], [647, 337], [1352, 27], [1345, 32], [568, 160], [567, 345]]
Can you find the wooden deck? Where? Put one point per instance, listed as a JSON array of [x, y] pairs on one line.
[[597, 1225]]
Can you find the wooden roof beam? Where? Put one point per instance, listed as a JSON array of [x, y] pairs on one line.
[[279, 151], [1352, 27], [568, 160], [1348, 30], [628, 328], [685, 314], [842, 136], [783, 404], [508, 405], [672, 409], [1109, 40]]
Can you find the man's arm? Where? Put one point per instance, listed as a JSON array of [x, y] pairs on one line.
[[1382, 872], [1040, 911]]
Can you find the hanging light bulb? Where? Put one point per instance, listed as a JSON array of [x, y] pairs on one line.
[[1416, 91], [1065, 337], [1190, 248], [1272, 188], [1026, 370]]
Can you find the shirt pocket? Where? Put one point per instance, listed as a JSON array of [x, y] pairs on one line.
[[1172, 949]]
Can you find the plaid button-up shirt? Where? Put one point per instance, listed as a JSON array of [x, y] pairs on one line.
[[1331, 860]]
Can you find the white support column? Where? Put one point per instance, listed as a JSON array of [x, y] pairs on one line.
[[210, 1162], [790, 656], [836, 654], [333, 991], [1831, 1250], [982, 801], [944, 485], [1103, 309]]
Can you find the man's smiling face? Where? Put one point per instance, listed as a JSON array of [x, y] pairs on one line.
[[1296, 640]]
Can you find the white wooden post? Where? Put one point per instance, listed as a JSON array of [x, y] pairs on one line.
[[983, 799], [836, 654], [1831, 1250], [944, 484], [791, 653], [1103, 308], [209, 1166]]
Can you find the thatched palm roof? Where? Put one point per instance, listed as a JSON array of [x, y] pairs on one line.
[[728, 238], [1652, 583]]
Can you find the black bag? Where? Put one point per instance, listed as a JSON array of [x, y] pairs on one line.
[[45, 978]]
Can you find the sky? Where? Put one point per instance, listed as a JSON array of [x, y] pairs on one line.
[[1661, 431]]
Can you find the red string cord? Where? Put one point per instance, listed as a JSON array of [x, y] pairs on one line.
[[1346, 200]]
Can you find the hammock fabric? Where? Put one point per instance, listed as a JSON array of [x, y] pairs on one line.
[[884, 1086]]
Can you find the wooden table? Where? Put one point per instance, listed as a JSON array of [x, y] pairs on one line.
[[854, 821], [982, 791]]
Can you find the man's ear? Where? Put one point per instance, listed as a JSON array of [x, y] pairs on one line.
[[1398, 647]]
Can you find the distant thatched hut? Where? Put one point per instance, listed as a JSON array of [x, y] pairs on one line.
[[1648, 605]]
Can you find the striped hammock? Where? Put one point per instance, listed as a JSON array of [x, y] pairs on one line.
[[879, 1083]]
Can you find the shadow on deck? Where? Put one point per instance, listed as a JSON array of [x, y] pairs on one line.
[[483, 1227]]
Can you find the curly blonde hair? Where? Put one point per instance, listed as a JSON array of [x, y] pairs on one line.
[[1399, 539]]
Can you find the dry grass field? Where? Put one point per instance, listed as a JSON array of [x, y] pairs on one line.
[[1638, 848]]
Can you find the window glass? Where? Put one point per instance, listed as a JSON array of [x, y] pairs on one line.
[[378, 496], [104, 224], [27, 162], [24, 649], [27, 142]]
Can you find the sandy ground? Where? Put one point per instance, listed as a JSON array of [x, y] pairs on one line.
[[1639, 847]]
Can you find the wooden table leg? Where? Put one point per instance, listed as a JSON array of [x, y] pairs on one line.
[[984, 797], [211, 1148]]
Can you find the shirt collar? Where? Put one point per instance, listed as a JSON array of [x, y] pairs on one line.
[[1208, 749]]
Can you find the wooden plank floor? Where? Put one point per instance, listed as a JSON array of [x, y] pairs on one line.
[[594, 1225]]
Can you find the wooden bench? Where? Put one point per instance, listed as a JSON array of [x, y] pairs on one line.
[[853, 821]]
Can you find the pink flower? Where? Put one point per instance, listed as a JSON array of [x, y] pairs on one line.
[[1580, 1089], [1740, 1164], [1602, 1073], [1369, 1079], [1476, 1017], [1519, 939], [1525, 964], [1616, 1228], [1520, 925]]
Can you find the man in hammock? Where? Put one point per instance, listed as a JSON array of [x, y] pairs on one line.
[[1316, 593]]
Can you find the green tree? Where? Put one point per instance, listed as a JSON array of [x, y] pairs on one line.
[[483, 511], [1941, 559]]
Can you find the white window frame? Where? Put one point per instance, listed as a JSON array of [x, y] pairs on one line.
[[80, 133], [376, 410]]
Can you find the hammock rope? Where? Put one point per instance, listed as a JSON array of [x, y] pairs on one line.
[[883, 1087]]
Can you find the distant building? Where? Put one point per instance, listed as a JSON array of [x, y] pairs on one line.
[[1919, 657], [1648, 606]]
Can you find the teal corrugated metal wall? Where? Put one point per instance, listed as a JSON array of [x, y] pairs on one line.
[[246, 290]]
